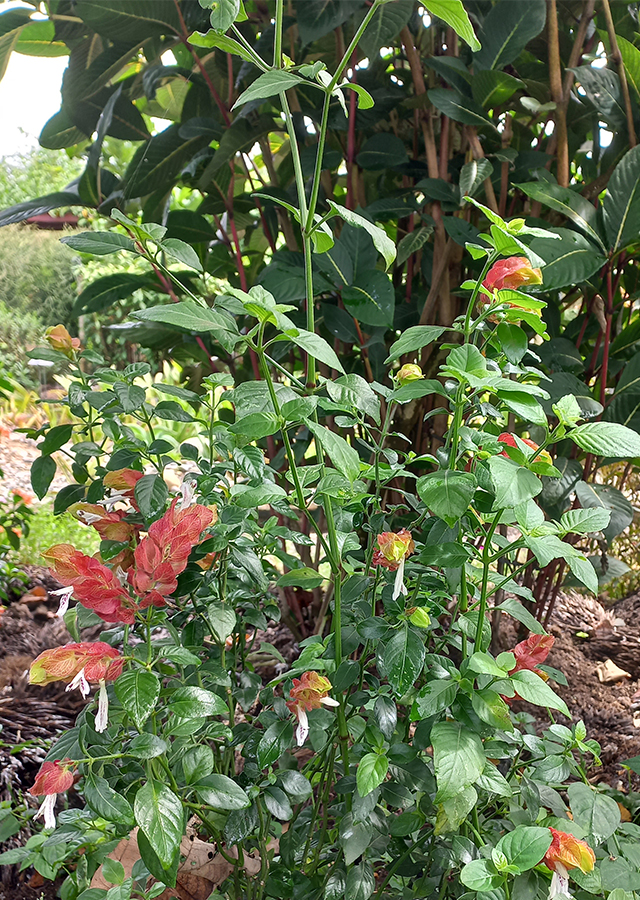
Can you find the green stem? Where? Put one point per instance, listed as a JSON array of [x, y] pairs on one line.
[[486, 561]]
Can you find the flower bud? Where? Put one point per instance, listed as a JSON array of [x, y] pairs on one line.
[[53, 778], [59, 339], [393, 549], [408, 373], [569, 852]]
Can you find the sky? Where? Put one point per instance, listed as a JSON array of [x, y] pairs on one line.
[[29, 95]]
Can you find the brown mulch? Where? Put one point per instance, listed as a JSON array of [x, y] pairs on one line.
[[23, 890]]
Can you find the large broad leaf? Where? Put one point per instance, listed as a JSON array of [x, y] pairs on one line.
[[106, 802], [319, 18], [103, 292], [37, 207], [585, 521], [190, 316], [382, 242], [513, 484], [571, 260], [126, 20], [602, 88], [631, 59], [39, 39], [342, 455], [388, 21], [458, 758], [157, 163], [371, 299], [607, 439], [382, 151], [533, 689], [99, 243], [506, 30], [571, 204], [473, 174], [525, 846], [222, 793], [159, 814], [138, 691], [402, 659], [316, 347], [458, 107], [598, 814], [621, 205], [453, 13], [492, 88], [555, 494], [606, 497], [447, 493], [268, 85], [564, 383], [372, 770], [414, 338], [413, 242], [241, 135]]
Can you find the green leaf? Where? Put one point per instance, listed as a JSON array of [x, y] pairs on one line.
[[458, 758], [414, 338], [621, 204], [223, 13], [453, 13], [99, 243], [534, 690], [353, 393], [491, 88], [506, 30], [146, 746], [473, 174], [158, 162], [365, 100], [489, 706], [512, 483], [130, 20], [197, 763], [196, 702], [383, 244], [342, 455], [598, 814], [525, 846], [354, 837], [55, 438], [222, 619], [585, 521], [382, 151], [411, 243], [435, 697], [386, 24], [268, 85], [372, 771], [105, 291], [222, 793], [181, 251], [606, 439], [606, 497], [39, 39], [138, 691], [106, 802], [190, 316], [160, 816], [222, 42], [459, 108], [371, 299], [447, 493], [303, 577], [570, 203], [43, 470], [151, 495], [631, 59], [316, 347], [274, 742], [112, 871], [402, 660], [252, 498], [521, 614], [481, 875], [360, 883]]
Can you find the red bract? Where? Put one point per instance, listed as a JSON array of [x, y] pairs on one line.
[[109, 525], [53, 778], [95, 586], [533, 652], [311, 691], [162, 555], [393, 549], [99, 661], [569, 852], [122, 479], [512, 273]]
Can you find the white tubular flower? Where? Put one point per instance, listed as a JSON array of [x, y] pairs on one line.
[[399, 587], [65, 595], [47, 811], [115, 497], [103, 708], [302, 731], [187, 494], [559, 883], [80, 682]]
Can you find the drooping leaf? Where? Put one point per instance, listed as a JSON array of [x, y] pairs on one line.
[[383, 244], [506, 30], [159, 814], [621, 205], [454, 14], [447, 493]]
